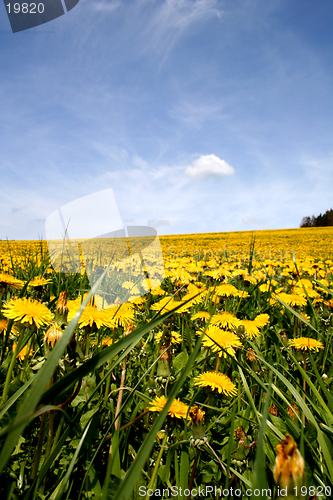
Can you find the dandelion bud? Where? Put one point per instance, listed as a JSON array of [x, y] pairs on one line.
[[164, 363], [290, 411], [61, 309], [289, 464], [284, 338], [197, 417], [240, 331], [52, 335], [240, 453], [129, 329], [253, 360], [273, 410]]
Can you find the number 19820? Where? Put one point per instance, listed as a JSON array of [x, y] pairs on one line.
[[26, 8], [312, 490]]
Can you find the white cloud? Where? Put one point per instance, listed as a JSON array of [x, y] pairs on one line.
[[105, 6], [250, 220], [158, 223], [208, 166]]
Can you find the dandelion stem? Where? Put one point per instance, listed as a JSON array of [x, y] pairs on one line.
[[304, 384], [120, 395], [193, 474], [12, 364], [39, 446], [157, 465]]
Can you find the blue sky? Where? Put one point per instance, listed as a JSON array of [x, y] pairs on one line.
[[201, 115]]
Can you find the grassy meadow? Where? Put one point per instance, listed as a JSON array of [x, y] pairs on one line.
[[214, 383]]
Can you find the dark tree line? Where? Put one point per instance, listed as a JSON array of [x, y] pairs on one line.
[[322, 220]]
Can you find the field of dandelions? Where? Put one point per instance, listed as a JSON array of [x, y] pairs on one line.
[[214, 384]]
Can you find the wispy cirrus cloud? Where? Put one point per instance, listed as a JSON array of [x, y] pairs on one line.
[[106, 6]]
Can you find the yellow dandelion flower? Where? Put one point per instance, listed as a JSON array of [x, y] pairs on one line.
[[306, 344], [107, 341], [194, 289], [158, 291], [21, 355], [305, 316], [120, 315], [100, 302], [265, 287], [164, 305], [37, 281], [217, 338], [201, 315], [226, 290], [311, 293], [128, 285], [291, 299], [261, 320], [304, 282], [28, 311], [218, 274], [226, 320], [177, 409], [91, 316], [185, 307], [76, 303], [250, 279], [138, 301], [6, 280], [251, 329], [4, 325], [325, 283], [196, 299], [289, 463], [218, 381], [243, 294]]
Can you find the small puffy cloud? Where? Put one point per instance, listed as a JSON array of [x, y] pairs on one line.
[[250, 220], [158, 223], [209, 166]]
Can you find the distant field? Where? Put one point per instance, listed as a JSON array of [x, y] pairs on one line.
[[316, 242], [277, 244]]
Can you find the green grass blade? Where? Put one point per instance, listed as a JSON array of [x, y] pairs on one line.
[[128, 482], [16, 396], [259, 480], [58, 493]]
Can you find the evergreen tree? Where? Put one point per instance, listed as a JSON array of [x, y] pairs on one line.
[[322, 220]]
